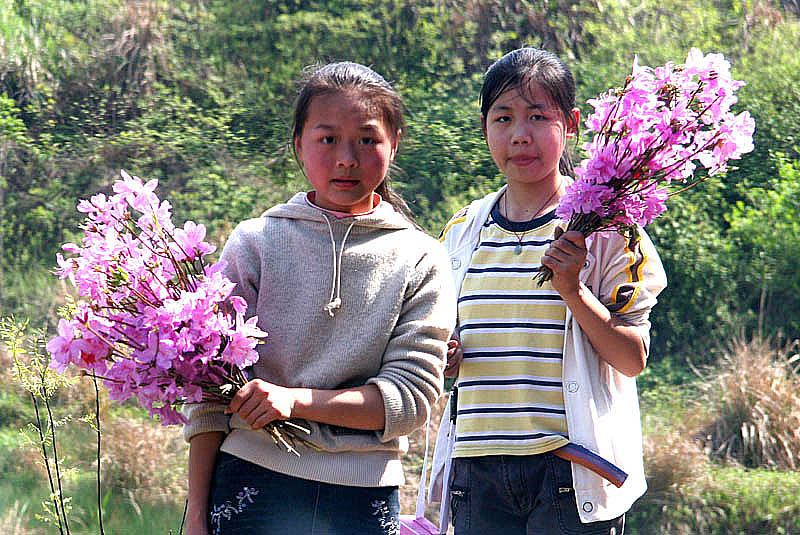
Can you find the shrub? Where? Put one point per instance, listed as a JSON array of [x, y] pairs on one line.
[[157, 470], [753, 397]]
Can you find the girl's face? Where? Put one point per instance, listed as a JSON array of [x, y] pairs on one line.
[[345, 148], [527, 134]]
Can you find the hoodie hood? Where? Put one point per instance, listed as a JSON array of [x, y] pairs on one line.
[[384, 216]]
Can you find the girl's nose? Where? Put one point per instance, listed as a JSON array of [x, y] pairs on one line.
[[520, 136], [346, 156]]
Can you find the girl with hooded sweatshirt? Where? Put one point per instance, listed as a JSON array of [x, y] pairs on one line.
[[358, 306]]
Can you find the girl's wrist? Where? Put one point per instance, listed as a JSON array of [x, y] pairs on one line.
[[302, 400], [196, 511], [573, 293]]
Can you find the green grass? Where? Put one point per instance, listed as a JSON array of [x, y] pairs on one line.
[[734, 501], [122, 514]]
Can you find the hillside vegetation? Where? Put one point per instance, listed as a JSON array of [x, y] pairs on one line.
[[199, 96]]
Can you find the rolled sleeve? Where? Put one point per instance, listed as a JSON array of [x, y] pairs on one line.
[[633, 276], [204, 418]]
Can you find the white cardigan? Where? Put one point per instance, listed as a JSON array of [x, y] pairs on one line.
[[602, 404]]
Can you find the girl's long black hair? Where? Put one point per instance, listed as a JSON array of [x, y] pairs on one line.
[[518, 70]]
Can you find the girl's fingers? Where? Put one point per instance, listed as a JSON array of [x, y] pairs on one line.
[[261, 419], [575, 237], [251, 409], [250, 393], [238, 399], [455, 354], [566, 247]]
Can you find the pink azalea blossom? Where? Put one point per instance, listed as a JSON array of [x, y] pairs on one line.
[[156, 321], [189, 241], [63, 348], [658, 128]]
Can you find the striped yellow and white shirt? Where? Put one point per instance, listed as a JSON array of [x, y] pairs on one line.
[[510, 397]]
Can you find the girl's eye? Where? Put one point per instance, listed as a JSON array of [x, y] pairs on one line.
[[537, 117], [503, 119], [368, 141], [328, 140]]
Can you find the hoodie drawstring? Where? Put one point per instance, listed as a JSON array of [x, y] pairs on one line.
[[335, 301]]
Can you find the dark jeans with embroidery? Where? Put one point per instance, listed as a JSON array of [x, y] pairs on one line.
[[519, 495], [248, 499]]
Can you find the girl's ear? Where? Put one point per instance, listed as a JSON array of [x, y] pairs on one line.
[[298, 149], [483, 125], [395, 145], [575, 119]]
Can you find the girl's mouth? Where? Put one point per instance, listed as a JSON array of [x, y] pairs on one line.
[[345, 182], [522, 161]]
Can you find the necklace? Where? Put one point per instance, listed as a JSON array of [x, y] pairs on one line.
[[518, 247]]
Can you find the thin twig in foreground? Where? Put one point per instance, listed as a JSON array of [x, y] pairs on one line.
[[46, 461], [97, 429]]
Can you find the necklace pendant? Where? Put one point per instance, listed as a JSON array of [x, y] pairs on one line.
[[518, 248]]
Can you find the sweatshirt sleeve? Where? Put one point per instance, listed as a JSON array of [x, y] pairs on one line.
[[242, 268], [411, 377], [633, 276], [204, 418]]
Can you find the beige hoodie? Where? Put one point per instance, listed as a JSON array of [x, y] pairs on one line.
[[345, 302]]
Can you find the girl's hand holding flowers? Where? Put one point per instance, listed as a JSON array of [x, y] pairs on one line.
[[565, 257], [260, 403]]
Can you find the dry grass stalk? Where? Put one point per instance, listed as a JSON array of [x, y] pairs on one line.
[[13, 521], [754, 396], [675, 464], [145, 460]]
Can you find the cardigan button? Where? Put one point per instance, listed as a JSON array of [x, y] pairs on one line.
[[572, 387], [588, 507], [456, 263]]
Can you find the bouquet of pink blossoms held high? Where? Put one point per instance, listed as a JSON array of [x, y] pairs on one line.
[[156, 322], [652, 131]]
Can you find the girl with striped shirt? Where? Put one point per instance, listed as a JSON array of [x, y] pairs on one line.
[[541, 367]]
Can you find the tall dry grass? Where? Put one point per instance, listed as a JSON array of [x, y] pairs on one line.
[[144, 460], [675, 464], [753, 395], [742, 413]]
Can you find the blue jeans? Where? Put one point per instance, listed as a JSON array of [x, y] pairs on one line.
[[247, 499], [522, 495]]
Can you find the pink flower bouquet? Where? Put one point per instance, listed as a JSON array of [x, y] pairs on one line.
[[652, 131], [156, 322]]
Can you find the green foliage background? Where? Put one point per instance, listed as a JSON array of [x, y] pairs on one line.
[[199, 95]]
